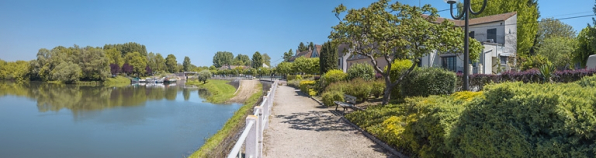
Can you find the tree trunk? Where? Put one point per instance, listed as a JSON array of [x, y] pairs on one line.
[[387, 94]]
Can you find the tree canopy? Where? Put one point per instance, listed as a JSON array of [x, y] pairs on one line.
[[301, 48], [257, 60], [306, 65], [527, 19], [171, 63], [266, 59], [288, 55], [395, 31], [242, 60], [222, 59], [127, 48], [328, 58], [186, 64]]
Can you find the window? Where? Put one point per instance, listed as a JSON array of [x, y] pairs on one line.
[[471, 34], [491, 34], [449, 63], [503, 60]]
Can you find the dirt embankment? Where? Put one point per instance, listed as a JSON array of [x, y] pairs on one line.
[[245, 90]]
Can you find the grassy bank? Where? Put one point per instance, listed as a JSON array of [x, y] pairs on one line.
[[222, 141], [220, 90], [118, 81]]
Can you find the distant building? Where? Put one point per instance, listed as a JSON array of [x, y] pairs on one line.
[[498, 35], [308, 53]]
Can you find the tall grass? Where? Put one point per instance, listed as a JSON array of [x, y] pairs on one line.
[[220, 90]]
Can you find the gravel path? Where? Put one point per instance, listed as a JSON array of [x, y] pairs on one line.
[[245, 90], [300, 127]]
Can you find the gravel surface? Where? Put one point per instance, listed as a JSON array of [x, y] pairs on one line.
[[245, 90], [300, 127]]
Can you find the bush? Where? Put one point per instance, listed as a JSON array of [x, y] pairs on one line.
[[587, 82], [294, 83], [293, 77], [418, 127], [359, 88], [378, 87], [361, 70], [330, 97], [527, 120], [429, 81], [530, 76], [332, 76], [306, 85], [204, 75]]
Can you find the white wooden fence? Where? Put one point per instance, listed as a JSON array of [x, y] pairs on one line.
[[252, 135]]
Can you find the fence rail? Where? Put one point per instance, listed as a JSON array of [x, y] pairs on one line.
[[252, 135]]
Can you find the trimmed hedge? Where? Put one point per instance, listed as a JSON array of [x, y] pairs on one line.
[[429, 81], [528, 76], [505, 120], [528, 120]]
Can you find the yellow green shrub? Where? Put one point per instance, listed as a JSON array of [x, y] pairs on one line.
[[466, 95], [305, 85], [527, 120], [330, 97]]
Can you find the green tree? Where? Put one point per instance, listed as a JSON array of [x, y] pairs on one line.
[[266, 59], [257, 60], [527, 19], [306, 65], [263, 71], [362, 70], [137, 61], [558, 50], [171, 63], [66, 72], [151, 61], [94, 64], [395, 31], [585, 46], [285, 68], [186, 64], [128, 48], [160, 63], [311, 46], [241, 60], [114, 56], [301, 47], [204, 76], [328, 58], [222, 59], [288, 55]]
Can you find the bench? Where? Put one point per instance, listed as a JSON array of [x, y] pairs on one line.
[[350, 102]]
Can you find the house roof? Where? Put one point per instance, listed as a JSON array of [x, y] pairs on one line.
[[318, 48], [305, 54], [478, 21]]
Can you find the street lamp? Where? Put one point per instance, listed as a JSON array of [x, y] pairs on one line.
[[465, 14]]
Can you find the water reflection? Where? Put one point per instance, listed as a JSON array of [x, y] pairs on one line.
[[78, 98]]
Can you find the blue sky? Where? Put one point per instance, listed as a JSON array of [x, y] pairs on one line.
[[196, 28]]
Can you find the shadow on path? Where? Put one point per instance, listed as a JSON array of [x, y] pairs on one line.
[[316, 121]]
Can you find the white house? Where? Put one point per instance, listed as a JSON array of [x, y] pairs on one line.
[[498, 34]]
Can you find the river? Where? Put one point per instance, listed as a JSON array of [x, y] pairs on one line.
[[49, 120]]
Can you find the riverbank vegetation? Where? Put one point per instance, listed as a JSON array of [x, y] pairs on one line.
[[222, 141], [118, 81], [220, 91], [93, 65]]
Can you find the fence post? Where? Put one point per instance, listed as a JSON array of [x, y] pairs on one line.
[[251, 143]]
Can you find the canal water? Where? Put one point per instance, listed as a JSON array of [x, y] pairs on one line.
[[49, 120]]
